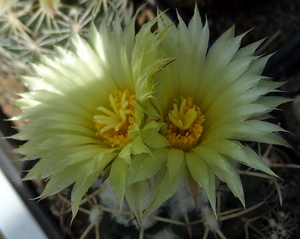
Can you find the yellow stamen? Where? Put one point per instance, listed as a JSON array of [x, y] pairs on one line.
[[184, 125], [113, 125]]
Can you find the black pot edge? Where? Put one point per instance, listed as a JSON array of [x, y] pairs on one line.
[[45, 221]]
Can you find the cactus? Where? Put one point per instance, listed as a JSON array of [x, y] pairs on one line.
[[100, 216], [29, 28], [33, 28]]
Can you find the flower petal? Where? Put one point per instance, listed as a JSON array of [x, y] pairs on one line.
[[174, 162], [135, 196], [241, 154], [222, 169], [86, 176], [144, 166], [163, 188], [117, 177], [203, 175]]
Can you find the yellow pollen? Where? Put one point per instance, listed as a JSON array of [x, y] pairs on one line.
[[113, 124], [184, 125]]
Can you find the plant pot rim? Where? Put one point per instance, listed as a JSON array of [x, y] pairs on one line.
[[42, 217]]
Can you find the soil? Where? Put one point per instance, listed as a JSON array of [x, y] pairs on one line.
[[276, 20]]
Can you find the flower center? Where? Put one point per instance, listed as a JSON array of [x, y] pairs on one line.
[[184, 125], [113, 124]]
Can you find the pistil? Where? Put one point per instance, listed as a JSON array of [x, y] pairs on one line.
[[184, 125]]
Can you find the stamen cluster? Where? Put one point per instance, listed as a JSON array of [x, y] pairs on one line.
[[184, 125], [113, 125]]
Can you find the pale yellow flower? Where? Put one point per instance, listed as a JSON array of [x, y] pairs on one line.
[[84, 109], [207, 101], [151, 110]]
